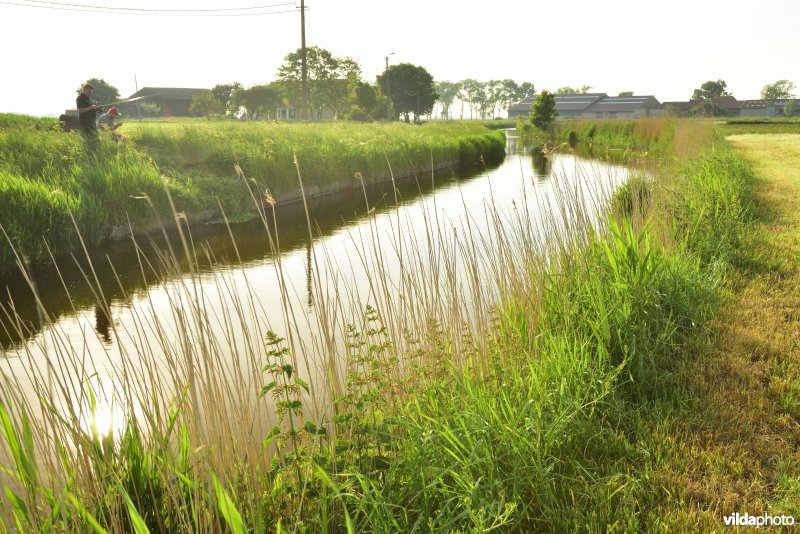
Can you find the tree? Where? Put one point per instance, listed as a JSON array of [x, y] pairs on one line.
[[525, 90], [103, 93], [223, 92], [331, 80], [625, 93], [705, 108], [150, 109], [470, 93], [258, 99], [205, 103], [567, 90], [711, 90], [367, 103], [779, 90], [447, 91], [411, 89], [501, 93], [790, 108], [543, 111]]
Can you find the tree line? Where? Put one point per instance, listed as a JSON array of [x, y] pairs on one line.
[[336, 87]]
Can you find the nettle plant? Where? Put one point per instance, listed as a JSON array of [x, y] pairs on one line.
[[299, 444], [364, 413]]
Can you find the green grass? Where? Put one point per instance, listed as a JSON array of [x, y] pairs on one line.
[[48, 177], [557, 409]]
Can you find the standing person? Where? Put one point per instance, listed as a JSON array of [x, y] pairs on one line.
[[106, 122], [87, 114]]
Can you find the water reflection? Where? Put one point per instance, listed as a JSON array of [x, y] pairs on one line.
[[123, 273], [166, 335], [542, 164], [309, 283], [126, 275], [102, 321]]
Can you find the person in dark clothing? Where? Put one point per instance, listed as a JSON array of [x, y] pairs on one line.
[[87, 114]]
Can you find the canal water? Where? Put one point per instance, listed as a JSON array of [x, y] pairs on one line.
[[188, 313]]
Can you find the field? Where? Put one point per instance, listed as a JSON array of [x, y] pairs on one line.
[[639, 376]]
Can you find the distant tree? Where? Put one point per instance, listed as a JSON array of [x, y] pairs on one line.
[[205, 103], [258, 99], [447, 91], [492, 95], [706, 108], [778, 90], [150, 109], [103, 93], [625, 93], [790, 108], [504, 93], [525, 90], [411, 89], [367, 104], [224, 93], [469, 92], [331, 80], [543, 111], [711, 90], [567, 90]]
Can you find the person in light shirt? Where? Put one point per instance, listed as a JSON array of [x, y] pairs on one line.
[[106, 123]]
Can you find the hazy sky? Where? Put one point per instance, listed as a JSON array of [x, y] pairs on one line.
[[663, 48]]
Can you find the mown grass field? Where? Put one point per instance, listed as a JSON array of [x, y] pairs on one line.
[[637, 377]]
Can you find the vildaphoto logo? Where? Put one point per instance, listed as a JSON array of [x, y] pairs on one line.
[[763, 520]]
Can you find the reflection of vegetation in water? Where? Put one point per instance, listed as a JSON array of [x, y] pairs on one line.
[[542, 162], [330, 213]]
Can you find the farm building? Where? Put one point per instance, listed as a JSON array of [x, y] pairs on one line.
[[623, 107], [724, 106], [573, 106], [172, 101], [521, 109], [567, 106], [764, 108], [596, 106]]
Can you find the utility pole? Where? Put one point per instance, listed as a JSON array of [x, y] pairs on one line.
[[388, 91], [304, 63]]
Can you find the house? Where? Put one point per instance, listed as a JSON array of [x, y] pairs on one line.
[[623, 107], [173, 101]]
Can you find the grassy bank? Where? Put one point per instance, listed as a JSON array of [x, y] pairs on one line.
[[662, 141], [558, 409], [51, 185], [733, 447]]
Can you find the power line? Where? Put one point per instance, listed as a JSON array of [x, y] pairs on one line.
[[147, 9], [219, 12]]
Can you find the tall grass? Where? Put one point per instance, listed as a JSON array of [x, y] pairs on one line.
[[504, 400], [45, 174]]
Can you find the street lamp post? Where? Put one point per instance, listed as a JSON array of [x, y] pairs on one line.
[[388, 90]]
